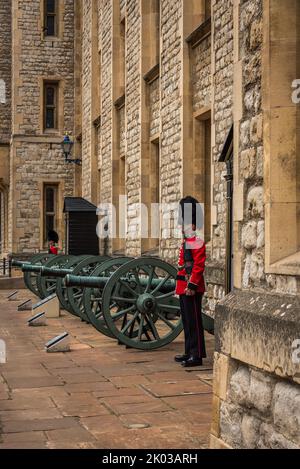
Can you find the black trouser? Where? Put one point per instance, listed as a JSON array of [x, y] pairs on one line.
[[192, 324]]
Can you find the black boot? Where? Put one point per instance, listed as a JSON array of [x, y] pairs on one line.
[[192, 361], [181, 358]]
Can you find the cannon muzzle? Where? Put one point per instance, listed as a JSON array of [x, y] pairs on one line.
[[81, 281], [15, 263]]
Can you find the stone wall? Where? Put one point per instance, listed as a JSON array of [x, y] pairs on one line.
[[87, 99], [133, 125], [35, 155], [106, 100], [251, 144], [5, 71], [222, 30], [261, 411], [171, 122], [256, 372], [154, 90], [201, 74], [35, 164]]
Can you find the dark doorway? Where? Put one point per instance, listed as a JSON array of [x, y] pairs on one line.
[[227, 158]]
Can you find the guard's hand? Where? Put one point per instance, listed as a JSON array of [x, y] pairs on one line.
[[190, 292]]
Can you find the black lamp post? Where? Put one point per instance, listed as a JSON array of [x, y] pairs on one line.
[[67, 146]]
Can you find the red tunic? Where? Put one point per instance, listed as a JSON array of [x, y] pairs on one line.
[[53, 250], [194, 281]]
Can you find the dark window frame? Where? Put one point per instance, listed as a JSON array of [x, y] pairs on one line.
[[54, 85], [47, 213], [53, 15]]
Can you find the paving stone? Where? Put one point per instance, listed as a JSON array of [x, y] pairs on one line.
[[25, 403], [170, 376], [76, 435], [139, 407], [32, 382], [177, 389], [85, 411], [83, 378], [38, 425], [102, 424], [181, 402], [32, 414], [127, 381], [89, 387], [130, 391], [23, 437]]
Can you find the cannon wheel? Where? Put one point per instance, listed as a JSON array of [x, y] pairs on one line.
[[62, 290], [139, 314], [75, 294], [92, 297], [30, 278], [47, 285]]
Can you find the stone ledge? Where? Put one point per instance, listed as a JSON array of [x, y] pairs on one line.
[[259, 329]]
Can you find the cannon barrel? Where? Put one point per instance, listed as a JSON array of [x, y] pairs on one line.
[[55, 272], [100, 282], [31, 268], [15, 263]]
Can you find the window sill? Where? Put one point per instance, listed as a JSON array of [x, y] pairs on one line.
[[52, 38], [287, 266]]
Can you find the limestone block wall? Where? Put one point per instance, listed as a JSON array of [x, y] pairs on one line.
[[133, 126], [35, 155], [201, 74], [251, 143], [171, 122], [222, 84], [33, 165], [5, 71], [106, 101], [87, 99], [256, 372], [122, 133], [154, 107], [261, 411]]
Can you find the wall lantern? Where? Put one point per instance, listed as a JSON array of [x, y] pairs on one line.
[[67, 146]]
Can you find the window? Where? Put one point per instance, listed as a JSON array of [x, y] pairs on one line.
[[207, 9], [200, 171], [51, 28], [50, 105], [50, 209]]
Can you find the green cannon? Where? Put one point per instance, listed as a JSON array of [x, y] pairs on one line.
[[31, 276], [131, 300]]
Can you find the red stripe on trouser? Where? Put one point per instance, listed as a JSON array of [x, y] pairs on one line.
[[198, 334]]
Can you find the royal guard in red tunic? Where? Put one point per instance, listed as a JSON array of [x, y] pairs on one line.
[[53, 239], [190, 284]]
